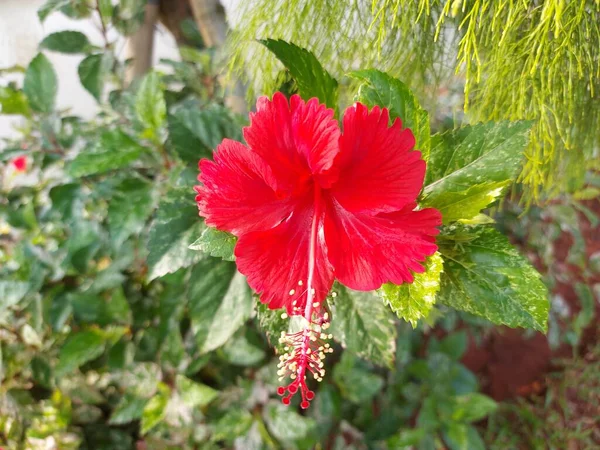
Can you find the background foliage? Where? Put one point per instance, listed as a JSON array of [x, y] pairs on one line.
[[117, 332]]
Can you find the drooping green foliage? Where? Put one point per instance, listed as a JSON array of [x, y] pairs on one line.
[[513, 59]]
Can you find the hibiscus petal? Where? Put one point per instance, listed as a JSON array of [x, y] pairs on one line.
[[296, 138], [378, 172], [276, 261], [367, 251], [238, 192]]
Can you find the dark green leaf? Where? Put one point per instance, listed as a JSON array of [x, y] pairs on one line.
[[220, 302], [413, 301], [13, 101], [40, 84], [130, 408], [92, 73], [364, 325], [217, 243], [66, 42], [356, 383], [150, 104], [129, 209], [115, 150], [469, 167], [488, 277], [80, 348], [312, 79], [156, 409], [286, 424], [244, 349], [195, 131], [173, 230], [381, 89]]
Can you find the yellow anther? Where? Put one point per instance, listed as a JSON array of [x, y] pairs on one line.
[[300, 283], [292, 291], [284, 316]]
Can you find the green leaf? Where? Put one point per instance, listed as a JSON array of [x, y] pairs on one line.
[[488, 277], [174, 228], [356, 383], [11, 293], [472, 407], [130, 408], [286, 424], [312, 79], [195, 131], [129, 208], [105, 8], [364, 325], [71, 42], [49, 7], [233, 424], [459, 436], [414, 301], [92, 72], [156, 409], [220, 303], [13, 101], [80, 348], [217, 243], [470, 167], [244, 349], [150, 104], [114, 150], [40, 84], [272, 324], [379, 88], [194, 394], [466, 204]]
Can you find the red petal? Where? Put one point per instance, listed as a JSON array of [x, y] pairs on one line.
[[378, 172], [238, 192], [367, 251], [20, 163], [275, 261], [295, 139]]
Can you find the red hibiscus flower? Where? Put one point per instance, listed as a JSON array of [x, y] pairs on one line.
[[311, 204], [20, 163]]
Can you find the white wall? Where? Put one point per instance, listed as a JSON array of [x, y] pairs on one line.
[[20, 34]]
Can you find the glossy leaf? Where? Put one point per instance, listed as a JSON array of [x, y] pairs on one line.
[[194, 131], [467, 204], [40, 84], [217, 243], [364, 325], [379, 88], [92, 71], [114, 150], [470, 166], [488, 277], [312, 79], [414, 301], [220, 302], [286, 424], [172, 231], [130, 408], [129, 209], [78, 349], [71, 42]]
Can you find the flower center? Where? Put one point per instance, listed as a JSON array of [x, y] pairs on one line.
[[306, 349]]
